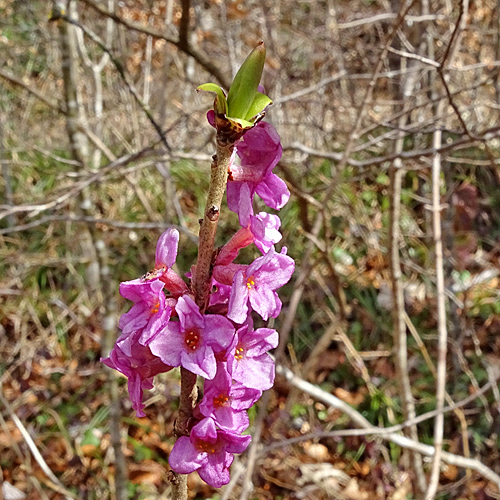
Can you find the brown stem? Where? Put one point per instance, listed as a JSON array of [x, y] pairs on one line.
[[218, 179], [201, 287], [179, 486], [189, 394], [184, 24]]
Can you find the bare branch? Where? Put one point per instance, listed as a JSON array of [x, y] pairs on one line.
[[404, 442], [16, 81], [187, 48]]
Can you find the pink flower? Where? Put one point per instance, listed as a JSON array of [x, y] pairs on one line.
[[257, 284], [219, 296], [166, 253], [147, 293], [262, 230], [265, 230], [247, 358], [166, 248], [226, 402], [193, 341], [149, 307], [209, 451], [259, 151], [138, 364]]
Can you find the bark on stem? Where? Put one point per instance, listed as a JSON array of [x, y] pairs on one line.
[[202, 280], [203, 274], [189, 394]]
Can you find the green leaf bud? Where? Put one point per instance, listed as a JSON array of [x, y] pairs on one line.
[[245, 84], [220, 106], [260, 103]]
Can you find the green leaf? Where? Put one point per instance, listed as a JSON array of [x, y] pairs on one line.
[[260, 103], [221, 103], [244, 123], [246, 82]]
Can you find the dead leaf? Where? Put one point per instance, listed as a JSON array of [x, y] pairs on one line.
[[317, 451], [354, 399]]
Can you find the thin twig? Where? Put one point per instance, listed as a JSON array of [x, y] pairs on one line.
[[463, 142], [70, 193], [396, 174], [95, 220], [376, 431], [185, 47], [387, 17], [441, 312], [313, 88], [16, 81], [404, 442], [34, 449], [121, 71]]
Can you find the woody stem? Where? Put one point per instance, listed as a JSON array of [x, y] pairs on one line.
[[202, 279], [218, 179]]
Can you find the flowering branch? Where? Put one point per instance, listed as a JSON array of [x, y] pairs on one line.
[[201, 287], [206, 328]]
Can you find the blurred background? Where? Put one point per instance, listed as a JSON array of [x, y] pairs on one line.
[[389, 117]]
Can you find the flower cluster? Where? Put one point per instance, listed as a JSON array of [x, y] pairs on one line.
[[165, 327]]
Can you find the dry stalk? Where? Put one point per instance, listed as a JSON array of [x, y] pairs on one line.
[[438, 246], [396, 173], [441, 313], [388, 434], [94, 246]]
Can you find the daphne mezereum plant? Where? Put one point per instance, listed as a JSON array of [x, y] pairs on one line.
[[205, 326]]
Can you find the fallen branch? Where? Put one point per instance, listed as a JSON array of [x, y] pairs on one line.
[[388, 434]]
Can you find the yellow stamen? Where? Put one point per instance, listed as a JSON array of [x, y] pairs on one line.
[[155, 308], [192, 340], [250, 282]]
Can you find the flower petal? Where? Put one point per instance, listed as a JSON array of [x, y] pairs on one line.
[[218, 332], [185, 458], [239, 201], [215, 472], [255, 373], [274, 191], [238, 308], [166, 248], [189, 314], [168, 344], [265, 302], [201, 361]]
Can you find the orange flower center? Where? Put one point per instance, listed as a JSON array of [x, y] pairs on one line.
[[221, 400], [206, 446], [155, 308], [251, 282], [192, 340]]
